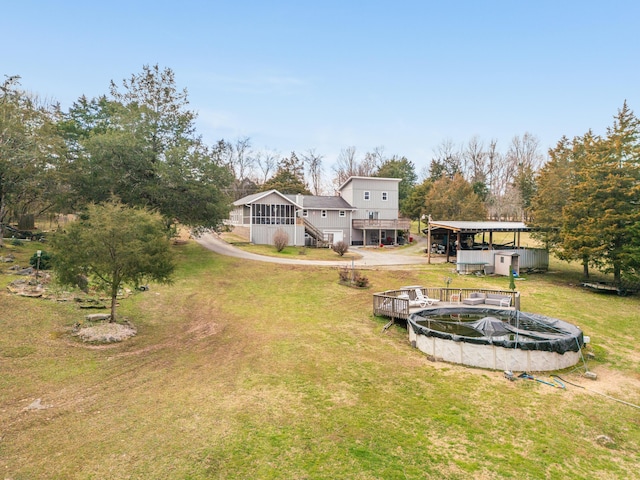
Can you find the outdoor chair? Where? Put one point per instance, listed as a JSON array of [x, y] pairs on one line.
[[424, 300]]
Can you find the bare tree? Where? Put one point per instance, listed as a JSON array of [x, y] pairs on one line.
[[242, 160], [447, 160], [313, 163], [267, 162], [372, 162], [475, 158], [346, 166]]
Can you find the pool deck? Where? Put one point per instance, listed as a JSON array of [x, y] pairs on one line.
[[400, 304]]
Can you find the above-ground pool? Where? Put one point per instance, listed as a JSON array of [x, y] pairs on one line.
[[496, 339]]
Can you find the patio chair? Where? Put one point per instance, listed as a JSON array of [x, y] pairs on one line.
[[424, 300]]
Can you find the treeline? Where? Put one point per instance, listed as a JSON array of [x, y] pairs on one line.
[[587, 201], [138, 144]]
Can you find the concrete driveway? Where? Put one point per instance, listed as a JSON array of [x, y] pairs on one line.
[[370, 257]]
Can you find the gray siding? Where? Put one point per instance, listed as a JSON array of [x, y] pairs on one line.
[[354, 191], [263, 234], [529, 257], [332, 222]]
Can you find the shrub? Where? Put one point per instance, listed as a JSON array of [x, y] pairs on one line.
[[16, 242], [45, 260], [340, 247], [360, 280], [345, 275], [280, 239]]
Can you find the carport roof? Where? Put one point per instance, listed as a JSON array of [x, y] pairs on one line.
[[475, 227]]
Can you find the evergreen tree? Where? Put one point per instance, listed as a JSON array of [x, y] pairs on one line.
[[30, 149], [403, 169], [289, 178], [454, 199], [600, 218], [140, 145]]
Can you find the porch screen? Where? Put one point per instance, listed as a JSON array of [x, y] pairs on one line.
[[273, 214]]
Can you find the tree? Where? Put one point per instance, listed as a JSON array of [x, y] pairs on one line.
[[113, 245], [399, 168], [348, 165], [30, 148], [604, 204], [552, 195], [267, 162], [523, 159], [447, 161], [140, 145], [289, 178], [313, 162], [454, 199], [415, 205]]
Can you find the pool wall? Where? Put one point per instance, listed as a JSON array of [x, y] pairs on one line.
[[491, 356]]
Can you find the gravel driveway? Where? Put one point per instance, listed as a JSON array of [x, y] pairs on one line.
[[370, 257]]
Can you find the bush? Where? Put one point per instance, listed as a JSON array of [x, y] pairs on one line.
[[45, 260], [340, 248], [345, 275], [360, 280], [280, 239]]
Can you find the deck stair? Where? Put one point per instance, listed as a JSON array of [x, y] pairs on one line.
[[316, 234]]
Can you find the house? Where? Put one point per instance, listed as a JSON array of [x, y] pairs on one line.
[[364, 212]]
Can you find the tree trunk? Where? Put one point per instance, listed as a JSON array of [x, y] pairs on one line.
[[114, 299], [585, 267]]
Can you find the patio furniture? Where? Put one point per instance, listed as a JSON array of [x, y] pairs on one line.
[[475, 298], [424, 300]]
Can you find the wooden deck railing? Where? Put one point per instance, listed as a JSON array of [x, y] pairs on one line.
[[390, 304]]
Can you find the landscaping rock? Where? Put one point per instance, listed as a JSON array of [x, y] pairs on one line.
[[106, 332], [97, 317], [604, 440], [37, 405]]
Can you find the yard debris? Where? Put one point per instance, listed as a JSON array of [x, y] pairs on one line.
[[97, 317]]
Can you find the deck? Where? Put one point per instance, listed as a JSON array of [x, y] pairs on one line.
[[397, 304]]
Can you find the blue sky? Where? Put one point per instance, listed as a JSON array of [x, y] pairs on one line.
[[300, 75]]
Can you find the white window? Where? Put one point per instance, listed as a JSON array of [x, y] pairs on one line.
[[385, 196], [323, 214], [367, 195], [305, 213], [342, 213]]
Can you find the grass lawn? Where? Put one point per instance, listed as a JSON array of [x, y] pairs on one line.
[[248, 370]]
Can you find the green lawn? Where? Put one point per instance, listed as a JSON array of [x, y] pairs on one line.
[[252, 370]]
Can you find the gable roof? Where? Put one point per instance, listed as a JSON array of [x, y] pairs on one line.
[[249, 199], [333, 202]]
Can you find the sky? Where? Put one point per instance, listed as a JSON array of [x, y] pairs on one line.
[[327, 75]]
